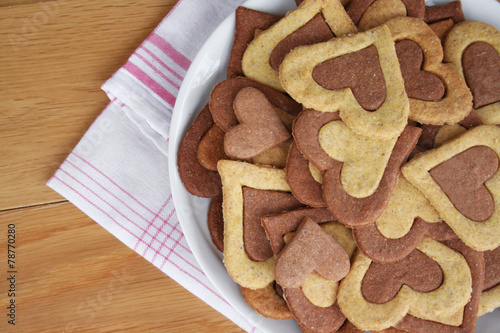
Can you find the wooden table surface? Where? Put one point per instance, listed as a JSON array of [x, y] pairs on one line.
[[71, 274]]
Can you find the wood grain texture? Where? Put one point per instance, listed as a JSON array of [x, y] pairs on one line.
[[73, 276], [53, 62]]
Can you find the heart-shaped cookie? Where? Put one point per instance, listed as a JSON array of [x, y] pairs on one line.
[[459, 39], [482, 72], [462, 179], [351, 211], [311, 250], [478, 143], [440, 304], [388, 121], [235, 176], [468, 316], [223, 95], [436, 106], [256, 62], [260, 127]]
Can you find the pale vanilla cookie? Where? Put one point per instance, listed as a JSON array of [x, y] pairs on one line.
[[300, 80], [256, 61], [461, 180], [422, 66], [433, 283], [473, 49], [235, 176], [469, 314], [275, 156]]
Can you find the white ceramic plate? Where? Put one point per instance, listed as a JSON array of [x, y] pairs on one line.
[[209, 68]]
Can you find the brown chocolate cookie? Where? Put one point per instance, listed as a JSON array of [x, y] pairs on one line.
[[304, 187], [248, 21], [197, 180], [256, 204]]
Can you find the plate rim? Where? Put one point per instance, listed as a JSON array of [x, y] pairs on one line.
[[239, 305]]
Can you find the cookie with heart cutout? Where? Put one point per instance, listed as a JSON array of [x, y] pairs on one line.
[[490, 297], [308, 71], [433, 288], [311, 22], [473, 49], [438, 94], [197, 179], [461, 180], [408, 218], [466, 319], [247, 23], [259, 128], [368, 14], [359, 173], [236, 177]]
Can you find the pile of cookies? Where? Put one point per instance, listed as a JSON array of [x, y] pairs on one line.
[[352, 159]]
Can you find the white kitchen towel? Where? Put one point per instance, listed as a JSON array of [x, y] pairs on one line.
[[118, 173]]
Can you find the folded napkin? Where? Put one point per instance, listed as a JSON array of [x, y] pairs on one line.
[[118, 173]]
